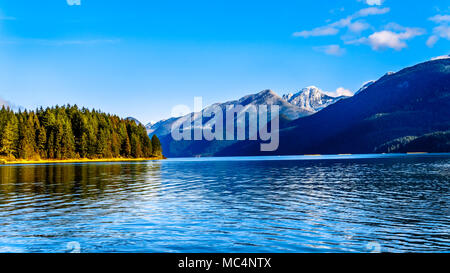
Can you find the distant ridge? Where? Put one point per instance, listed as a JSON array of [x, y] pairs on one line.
[[133, 119], [292, 106], [411, 103]]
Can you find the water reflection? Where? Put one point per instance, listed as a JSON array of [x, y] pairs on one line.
[[238, 205], [78, 181]]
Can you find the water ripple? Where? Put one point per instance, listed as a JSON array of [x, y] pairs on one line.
[[229, 205]]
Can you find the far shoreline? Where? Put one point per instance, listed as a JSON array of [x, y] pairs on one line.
[[80, 160]]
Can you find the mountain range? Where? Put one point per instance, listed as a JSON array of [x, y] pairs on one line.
[[312, 99], [292, 106], [399, 112]]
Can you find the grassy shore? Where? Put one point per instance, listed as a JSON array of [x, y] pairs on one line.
[[80, 160]]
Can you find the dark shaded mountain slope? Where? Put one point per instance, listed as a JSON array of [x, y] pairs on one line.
[[412, 102]]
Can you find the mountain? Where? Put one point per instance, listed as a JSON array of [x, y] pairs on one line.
[[433, 142], [149, 126], [268, 97], [398, 112], [292, 106], [311, 98], [133, 119], [364, 86], [443, 57], [413, 102], [162, 129], [162, 124]]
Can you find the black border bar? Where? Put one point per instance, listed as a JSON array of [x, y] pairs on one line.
[[242, 262]]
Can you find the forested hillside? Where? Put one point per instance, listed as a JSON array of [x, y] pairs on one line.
[[68, 132]]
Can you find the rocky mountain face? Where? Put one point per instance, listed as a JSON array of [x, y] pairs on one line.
[[311, 98]]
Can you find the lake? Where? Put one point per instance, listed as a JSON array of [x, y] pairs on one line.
[[341, 203]]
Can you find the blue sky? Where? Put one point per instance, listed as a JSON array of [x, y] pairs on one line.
[[141, 58]]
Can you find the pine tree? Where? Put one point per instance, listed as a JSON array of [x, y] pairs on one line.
[[83, 149], [41, 139], [147, 148], [126, 147], [69, 132], [136, 149], [67, 141], [156, 145], [10, 136], [27, 134]]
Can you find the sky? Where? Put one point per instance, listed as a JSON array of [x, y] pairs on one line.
[[142, 58]]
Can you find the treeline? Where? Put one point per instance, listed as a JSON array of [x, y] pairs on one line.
[[436, 142], [68, 132]]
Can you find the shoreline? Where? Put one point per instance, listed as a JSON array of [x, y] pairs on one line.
[[80, 160]]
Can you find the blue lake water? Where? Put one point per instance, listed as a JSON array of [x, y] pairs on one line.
[[342, 203]]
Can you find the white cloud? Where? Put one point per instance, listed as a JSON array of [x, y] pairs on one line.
[[394, 36], [372, 2], [386, 38], [333, 28], [341, 91], [334, 50], [371, 11], [443, 31], [319, 31], [358, 26], [440, 18], [73, 2], [432, 40], [440, 31]]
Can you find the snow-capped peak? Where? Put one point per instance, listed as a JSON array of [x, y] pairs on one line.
[[150, 124], [311, 98], [443, 57]]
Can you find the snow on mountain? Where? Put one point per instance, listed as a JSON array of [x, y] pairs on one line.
[[364, 86], [415, 101], [443, 57], [268, 97], [292, 106], [151, 125], [265, 97], [163, 126], [321, 131], [311, 98]]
